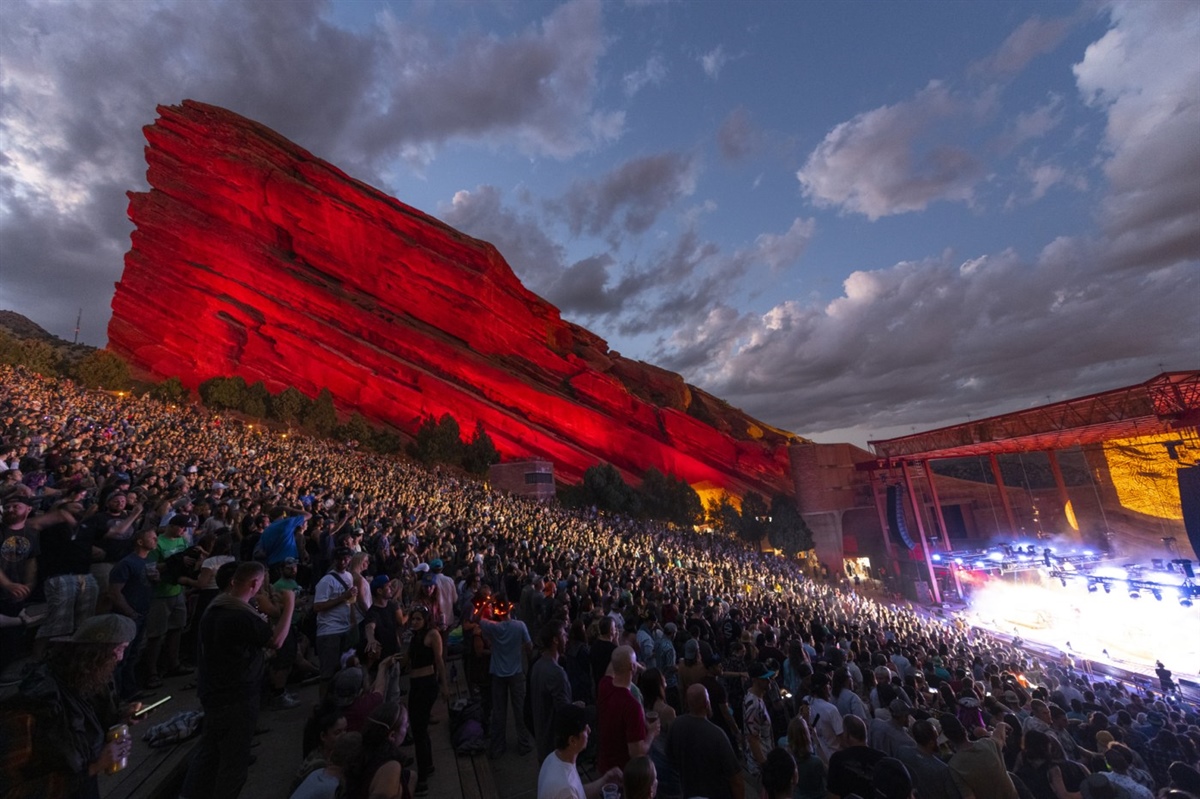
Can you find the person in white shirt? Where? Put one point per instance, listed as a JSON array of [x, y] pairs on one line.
[[825, 719], [559, 778]]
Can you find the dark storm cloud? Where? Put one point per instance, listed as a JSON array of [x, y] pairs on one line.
[[81, 79], [629, 199]]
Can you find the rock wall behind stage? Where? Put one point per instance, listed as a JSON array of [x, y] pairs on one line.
[[252, 257]]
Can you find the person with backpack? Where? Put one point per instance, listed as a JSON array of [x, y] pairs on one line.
[[334, 605]]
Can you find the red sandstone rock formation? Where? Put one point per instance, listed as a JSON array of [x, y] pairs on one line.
[[252, 257]]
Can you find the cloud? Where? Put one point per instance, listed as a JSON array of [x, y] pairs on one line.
[[1032, 124], [1043, 176], [714, 61], [535, 258], [737, 137], [929, 341], [78, 81], [629, 198], [583, 288], [652, 74], [879, 162], [779, 251], [1143, 75], [537, 86], [1034, 37]]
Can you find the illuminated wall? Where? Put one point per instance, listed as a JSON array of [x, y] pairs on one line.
[[1142, 471]]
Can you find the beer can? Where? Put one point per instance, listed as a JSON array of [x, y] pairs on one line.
[[117, 732]]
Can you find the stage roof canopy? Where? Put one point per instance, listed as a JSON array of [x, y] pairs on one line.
[[1162, 404]]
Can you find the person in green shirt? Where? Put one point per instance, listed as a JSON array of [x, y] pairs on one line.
[[287, 581], [168, 609]]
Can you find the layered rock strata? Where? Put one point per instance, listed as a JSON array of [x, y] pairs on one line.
[[252, 257]]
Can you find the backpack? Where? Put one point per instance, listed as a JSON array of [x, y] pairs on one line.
[[467, 734]]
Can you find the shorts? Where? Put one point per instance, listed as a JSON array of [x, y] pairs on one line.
[[329, 653], [166, 613], [101, 571], [70, 600]]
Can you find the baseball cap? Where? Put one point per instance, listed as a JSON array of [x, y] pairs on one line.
[[421, 568], [899, 707], [691, 650], [758, 671], [380, 581], [342, 552], [290, 562], [712, 660], [436, 564], [347, 685], [107, 628]]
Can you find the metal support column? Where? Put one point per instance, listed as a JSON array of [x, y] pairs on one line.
[[941, 520], [912, 497], [1064, 499], [1008, 511]]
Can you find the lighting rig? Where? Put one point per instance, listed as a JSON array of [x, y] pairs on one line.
[[1078, 566]]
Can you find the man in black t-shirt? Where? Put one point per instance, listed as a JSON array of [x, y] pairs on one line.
[[851, 768], [233, 636]]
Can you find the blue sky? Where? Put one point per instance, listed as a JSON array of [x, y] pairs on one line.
[[850, 219]]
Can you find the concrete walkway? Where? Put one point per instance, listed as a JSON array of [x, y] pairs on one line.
[[278, 751]]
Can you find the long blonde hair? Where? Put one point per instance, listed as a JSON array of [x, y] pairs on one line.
[[799, 739]]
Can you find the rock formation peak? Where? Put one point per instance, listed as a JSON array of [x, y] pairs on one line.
[[252, 257]]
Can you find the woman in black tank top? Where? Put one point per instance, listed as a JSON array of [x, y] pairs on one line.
[[428, 672]]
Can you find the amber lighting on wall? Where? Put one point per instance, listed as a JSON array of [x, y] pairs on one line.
[[1143, 470]]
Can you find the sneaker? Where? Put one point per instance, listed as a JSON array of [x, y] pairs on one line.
[[283, 702]]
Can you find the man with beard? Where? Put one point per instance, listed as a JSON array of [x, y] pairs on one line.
[[54, 730]]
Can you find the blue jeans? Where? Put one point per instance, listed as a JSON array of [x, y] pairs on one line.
[[505, 689], [222, 758]]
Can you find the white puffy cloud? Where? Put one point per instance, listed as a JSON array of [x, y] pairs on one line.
[[879, 163], [1144, 73], [921, 343]]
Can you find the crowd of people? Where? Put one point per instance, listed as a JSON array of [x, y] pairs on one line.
[[150, 539]]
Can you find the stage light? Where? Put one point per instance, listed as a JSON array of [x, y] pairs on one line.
[[1185, 601], [959, 561], [936, 558], [1134, 594], [1063, 580], [1107, 588], [1157, 594], [1046, 556], [1092, 586]]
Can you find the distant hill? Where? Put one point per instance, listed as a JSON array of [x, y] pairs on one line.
[[24, 327]]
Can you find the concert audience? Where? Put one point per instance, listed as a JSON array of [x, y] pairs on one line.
[[141, 504]]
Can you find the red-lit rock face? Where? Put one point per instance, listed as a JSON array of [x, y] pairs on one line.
[[251, 257]]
